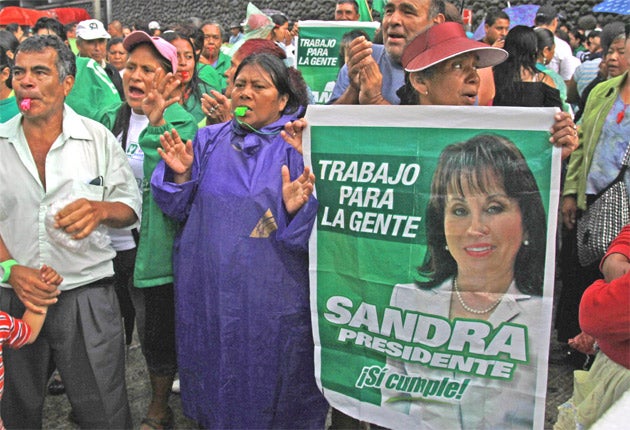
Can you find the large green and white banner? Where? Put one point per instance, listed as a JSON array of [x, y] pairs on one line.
[[414, 323], [318, 53]]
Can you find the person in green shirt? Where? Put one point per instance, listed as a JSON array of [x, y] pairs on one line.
[[211, 53], [149, 110], [191, 87], [8, 105]]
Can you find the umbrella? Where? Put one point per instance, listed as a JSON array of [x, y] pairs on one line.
[[622, 7], [523, 14]]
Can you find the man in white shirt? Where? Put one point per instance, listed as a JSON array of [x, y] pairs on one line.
[[53, 158], [563, 60]]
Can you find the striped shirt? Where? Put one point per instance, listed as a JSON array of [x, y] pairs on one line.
[[15, 333]]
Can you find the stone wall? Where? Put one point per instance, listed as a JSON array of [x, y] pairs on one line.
[[227, 11]]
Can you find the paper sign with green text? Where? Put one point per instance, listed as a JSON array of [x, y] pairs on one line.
[[318, 53], [432, 262]]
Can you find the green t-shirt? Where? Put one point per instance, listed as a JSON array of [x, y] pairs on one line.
[[8, 108], [208, 80]]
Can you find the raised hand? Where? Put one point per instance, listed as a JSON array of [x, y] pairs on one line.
[[216, 107], [359, 55], [292, 133], [161, 95], [295, 194], [177, 155], [371, 84]]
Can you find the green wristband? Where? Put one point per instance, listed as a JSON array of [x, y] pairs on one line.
[[5, 269]]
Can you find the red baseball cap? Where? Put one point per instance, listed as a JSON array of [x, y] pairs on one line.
[[443, 41]]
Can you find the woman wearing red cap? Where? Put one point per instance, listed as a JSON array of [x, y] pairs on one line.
[[441, 66], [486, 235]]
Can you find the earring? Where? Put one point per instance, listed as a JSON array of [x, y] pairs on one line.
[[446, 247], [426, 93], [526, 242]]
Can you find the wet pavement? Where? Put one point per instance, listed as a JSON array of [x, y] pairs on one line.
[[57, 408]]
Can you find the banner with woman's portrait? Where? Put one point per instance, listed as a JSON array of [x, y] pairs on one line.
[[432, 263]]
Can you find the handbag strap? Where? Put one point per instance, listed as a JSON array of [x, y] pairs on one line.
[[620, 175]]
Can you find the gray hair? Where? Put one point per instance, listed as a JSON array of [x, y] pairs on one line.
[[65, 63]]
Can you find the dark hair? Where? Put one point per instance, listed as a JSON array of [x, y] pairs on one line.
[[70, 26], [578, 35], [287, 80], [192, 91], [114, 41], [495, 13], [351, 2], [544, 38], [65, 63], [436, 7], [8, 41], [407, 93], [5, 62], [50, 24], [121, 123], [522, 46], [345, 42], [475, 164]]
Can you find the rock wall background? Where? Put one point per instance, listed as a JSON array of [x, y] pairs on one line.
[[227, 11]]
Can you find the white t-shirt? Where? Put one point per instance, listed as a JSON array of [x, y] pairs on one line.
[[122, 240], [563, 60]]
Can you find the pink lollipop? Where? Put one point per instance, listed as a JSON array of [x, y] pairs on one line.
[[25, 104]]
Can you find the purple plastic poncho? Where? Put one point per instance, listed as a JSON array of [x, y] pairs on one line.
[[245, 346]]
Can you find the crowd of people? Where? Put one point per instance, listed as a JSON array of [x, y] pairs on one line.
[[162, 185]]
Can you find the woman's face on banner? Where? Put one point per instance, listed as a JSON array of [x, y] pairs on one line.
[[484, 229]]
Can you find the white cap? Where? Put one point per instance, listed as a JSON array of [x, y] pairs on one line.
[[154, 25], [91, 29]]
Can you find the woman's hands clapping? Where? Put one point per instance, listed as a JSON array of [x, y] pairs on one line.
[[160, 96], [177, 155], [296, 193]]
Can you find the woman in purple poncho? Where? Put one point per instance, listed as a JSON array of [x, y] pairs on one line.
[[245, 348]]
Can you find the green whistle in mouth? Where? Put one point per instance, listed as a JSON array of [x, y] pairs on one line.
[[240, 111]]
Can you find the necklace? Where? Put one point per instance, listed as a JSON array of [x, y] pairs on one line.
[[621, 113], [468, 308]]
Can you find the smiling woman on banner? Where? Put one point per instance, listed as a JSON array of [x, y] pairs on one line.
[[245, 347], [486, 235]]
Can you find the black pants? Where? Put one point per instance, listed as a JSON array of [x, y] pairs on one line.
[[575, 280], [124, 263]]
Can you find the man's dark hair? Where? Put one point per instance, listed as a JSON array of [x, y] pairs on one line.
[[113, 41], [437, 7], [65, 63], [8, 41], [352, 2], [495, 13], [50, 24]]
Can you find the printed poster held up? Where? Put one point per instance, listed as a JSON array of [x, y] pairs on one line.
[[432, 263], [318, 53]]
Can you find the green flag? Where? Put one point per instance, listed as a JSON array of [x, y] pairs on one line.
[[378, 5], [364, 11]]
